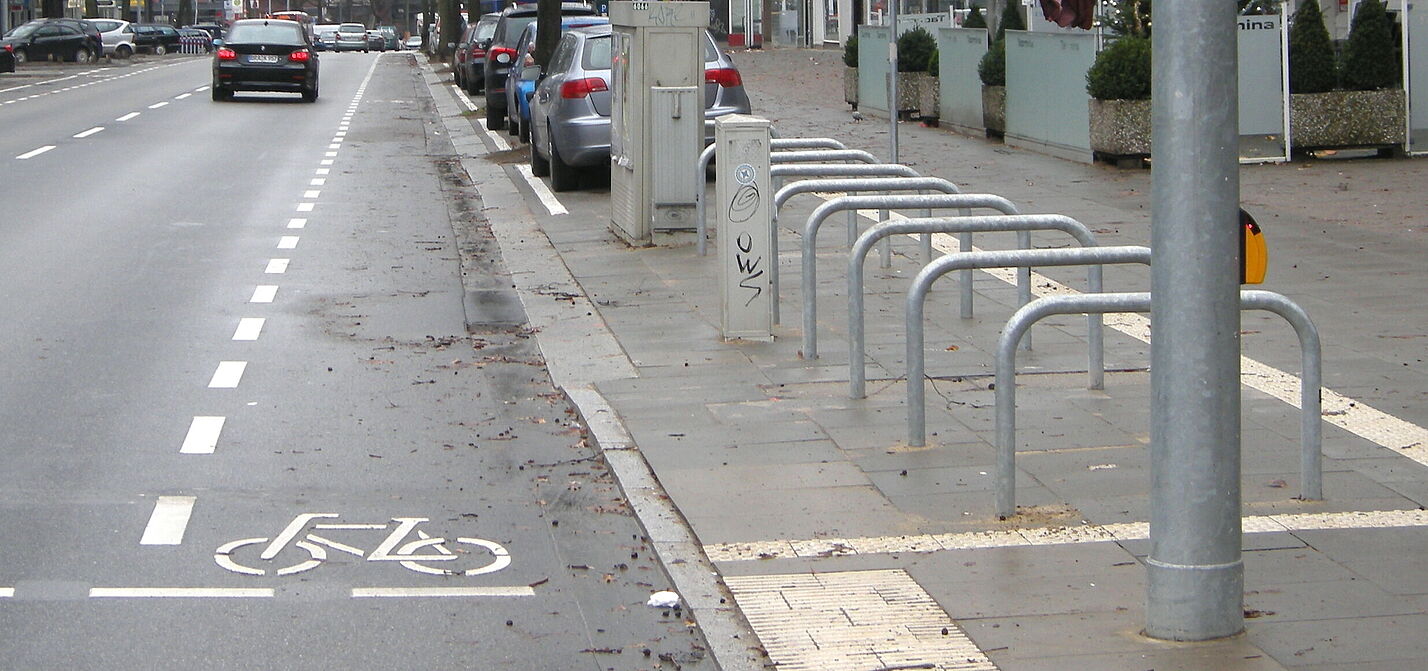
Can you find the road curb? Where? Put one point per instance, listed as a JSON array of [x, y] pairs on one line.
[[551, 296]]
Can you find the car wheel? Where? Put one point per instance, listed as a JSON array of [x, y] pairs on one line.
[[525, 130], [123, 51], [472, 87], [160, 50], [562, 176], [513, 126], [540, 166], [460, 80], [21, 56], [220, 94], [310, 96]]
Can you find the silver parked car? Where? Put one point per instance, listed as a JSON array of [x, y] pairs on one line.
[[117, 35], [570, 111]]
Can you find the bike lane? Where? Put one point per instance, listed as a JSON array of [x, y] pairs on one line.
[[364, 421]]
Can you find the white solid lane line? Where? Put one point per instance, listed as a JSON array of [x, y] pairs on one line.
[[548, 199], [276, 266], [288, 242], [227, 375], [168, 521], [371, 592], [87, 133], [297, 222], [128, 116], [202, 437], [248, 328], [35, 152], [264, 293], [180, 592]]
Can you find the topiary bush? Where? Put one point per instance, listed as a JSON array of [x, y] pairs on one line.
[[1311, 53], [914, 48], [992, 69], [1011, 20], [975, 19], [850, 52], [933, 67], [1371, 61], [1121, 71]]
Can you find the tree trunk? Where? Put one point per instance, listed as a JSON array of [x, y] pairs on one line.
[[547, 31], [450, 28], [51, 9]]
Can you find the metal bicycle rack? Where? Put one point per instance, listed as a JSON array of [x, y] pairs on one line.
[[775, 144], [857, 376], [917, 295], [926, 203], [825, 170], [1310, 431]]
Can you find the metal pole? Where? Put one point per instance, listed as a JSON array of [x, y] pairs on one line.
[[892, 88], [1195, 573]]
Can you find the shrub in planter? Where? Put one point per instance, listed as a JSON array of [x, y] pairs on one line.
[[850, 52], [914, 49], [1119, 84], [975, 19], [1121, 71], [992, 69], [1311, 53], [1370, 54]]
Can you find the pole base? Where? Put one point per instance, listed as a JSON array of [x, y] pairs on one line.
[[1194, 602]]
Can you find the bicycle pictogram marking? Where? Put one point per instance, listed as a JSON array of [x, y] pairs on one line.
[[413, 554]]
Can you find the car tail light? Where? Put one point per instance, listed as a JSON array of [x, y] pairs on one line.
[[226, 54], [300, 56], [579, 88], [725, 77], [477, 53], [503, 55]]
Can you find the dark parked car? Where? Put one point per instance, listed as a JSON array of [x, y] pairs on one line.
[[521, 80], [570, 111], [470, 70], [7, 58], [156, 38], [265, 55], [502, 54], [62, 39]]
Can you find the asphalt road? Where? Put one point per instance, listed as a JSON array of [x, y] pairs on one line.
[[244, 423]]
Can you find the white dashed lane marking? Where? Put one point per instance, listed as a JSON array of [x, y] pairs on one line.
[[379, 592], [276, 266], [297, 223], [128, 116], [202, 437], [87, 133], [168, 521], [288, 242], [227, 375], [181, 592], [34, 152], [264, 293], [249, 328], [304, 207], [158, 105]]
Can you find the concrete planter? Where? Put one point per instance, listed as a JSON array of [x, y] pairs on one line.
[[909, 90], [930, 94], [994, 109], [1346, 119], [850, 86], [1120, 128]]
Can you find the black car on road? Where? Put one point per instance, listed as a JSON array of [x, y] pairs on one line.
[[265, 55], [156, 38], [61, 39]]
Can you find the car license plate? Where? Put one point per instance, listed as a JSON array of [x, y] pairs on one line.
[[263, 59]]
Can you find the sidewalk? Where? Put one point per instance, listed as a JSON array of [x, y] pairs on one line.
[[847, 549]]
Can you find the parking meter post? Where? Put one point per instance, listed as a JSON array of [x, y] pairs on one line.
[[744, 222], [1195, 570]]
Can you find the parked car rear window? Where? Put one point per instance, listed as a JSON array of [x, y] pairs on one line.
[[597, 54], [266, 33]]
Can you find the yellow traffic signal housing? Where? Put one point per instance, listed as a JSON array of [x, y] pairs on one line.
[[1254, 253]]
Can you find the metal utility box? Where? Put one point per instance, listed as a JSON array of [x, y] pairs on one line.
[[657, 119], [744, 216]]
